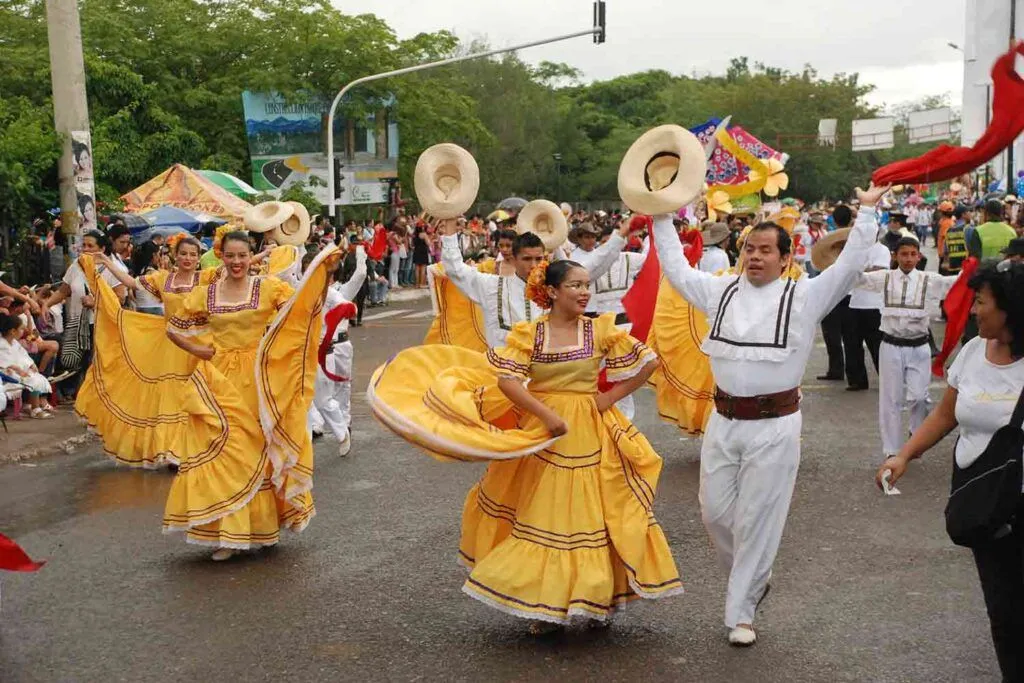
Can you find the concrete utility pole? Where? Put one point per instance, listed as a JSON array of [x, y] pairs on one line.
[[70, 109]]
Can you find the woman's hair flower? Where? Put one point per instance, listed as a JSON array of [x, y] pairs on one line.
[[536, 286]]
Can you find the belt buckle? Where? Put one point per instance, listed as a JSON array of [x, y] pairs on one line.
[[764, 407]]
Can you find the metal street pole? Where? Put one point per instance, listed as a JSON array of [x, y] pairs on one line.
[[596, 30], [1010, 175], [70, 109]]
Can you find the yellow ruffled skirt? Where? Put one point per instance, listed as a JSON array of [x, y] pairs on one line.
[[457, 320], [556, 528], [683, 383], [138, 394]]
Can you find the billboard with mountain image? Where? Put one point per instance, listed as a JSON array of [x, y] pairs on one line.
[[288, 138]]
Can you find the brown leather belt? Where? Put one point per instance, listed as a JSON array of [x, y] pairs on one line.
[[763, 407]]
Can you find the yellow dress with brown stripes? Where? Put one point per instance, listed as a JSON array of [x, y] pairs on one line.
[[171, 290], [556, 528], [457, 320], [265, 346], [139, 406]]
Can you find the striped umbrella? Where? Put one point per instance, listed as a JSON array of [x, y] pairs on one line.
[[234, 185]]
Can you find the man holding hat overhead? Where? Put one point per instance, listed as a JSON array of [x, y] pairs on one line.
[[502, 298], [761, 335]]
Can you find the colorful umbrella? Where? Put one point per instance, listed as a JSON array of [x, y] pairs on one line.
[[234, 185], [499, 216], [512, 203], [132, 221], [181, 219]]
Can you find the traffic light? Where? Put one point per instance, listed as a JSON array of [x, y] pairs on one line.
[[338, 177], [599, 22]]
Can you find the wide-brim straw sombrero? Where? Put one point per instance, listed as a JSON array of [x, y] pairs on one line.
[[546, 220], [266, 216], [295, 229], [447, 180], [826, 250], [662, 171]]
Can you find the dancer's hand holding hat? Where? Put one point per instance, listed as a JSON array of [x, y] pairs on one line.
[[662, 171], [447, 180]]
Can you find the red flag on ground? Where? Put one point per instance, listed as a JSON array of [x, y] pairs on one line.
[[331, 322], [14, 559], [945, 161], [957, 305], [379, 245]]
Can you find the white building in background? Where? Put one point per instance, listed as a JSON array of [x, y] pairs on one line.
[[987, 37]]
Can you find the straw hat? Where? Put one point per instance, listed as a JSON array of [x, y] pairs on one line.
[[267, 215], [447, 180], [787, 217], [566, 208], [662, 171], [546, 220], [826, 250], [714, 233], [295, 229]]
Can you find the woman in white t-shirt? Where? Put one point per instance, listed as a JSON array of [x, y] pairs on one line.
[[985, 381]]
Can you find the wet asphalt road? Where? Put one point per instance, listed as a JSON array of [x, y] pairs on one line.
[[866, 588]]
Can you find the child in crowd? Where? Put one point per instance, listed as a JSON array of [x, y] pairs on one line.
[[16, 364]]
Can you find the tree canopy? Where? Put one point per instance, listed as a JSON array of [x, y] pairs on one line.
[[165, 80]]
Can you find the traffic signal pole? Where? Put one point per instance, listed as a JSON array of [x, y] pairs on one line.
[[597, 31]]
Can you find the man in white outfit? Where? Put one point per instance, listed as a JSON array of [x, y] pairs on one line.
[[910, 298], [332, 400], [607, 292], [502, 298], [762, 329]]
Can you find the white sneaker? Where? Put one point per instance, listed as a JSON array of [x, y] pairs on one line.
[[345, 447], [742, 636], [221, 554]]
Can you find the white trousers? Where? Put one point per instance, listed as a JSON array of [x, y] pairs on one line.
[[904, 373], [332, 401], [747, 473]]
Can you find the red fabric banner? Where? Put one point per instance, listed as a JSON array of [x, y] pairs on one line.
[[957, 305], [945, 161], [379, 245], [14, 559], [642, 296], [331, 321]]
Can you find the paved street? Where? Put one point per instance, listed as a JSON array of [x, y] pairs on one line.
[[866, 588]]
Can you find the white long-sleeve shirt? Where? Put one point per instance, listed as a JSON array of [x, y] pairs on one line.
[[909, 300], [878, 258], [340, 292], [608, 289], [714, 260], [503, 297], [760, 338]]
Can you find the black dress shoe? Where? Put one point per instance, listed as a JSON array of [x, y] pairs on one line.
[[857, 387], [831, 378]]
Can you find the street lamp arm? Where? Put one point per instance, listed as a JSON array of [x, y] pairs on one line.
[[421, 67]]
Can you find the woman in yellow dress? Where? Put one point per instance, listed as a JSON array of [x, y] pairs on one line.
[[167, 440], [561, 525], [226, 324]]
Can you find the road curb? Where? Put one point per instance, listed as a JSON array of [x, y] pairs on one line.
[[68, 445]]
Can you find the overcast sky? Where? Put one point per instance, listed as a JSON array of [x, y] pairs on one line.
[[900, 46]]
